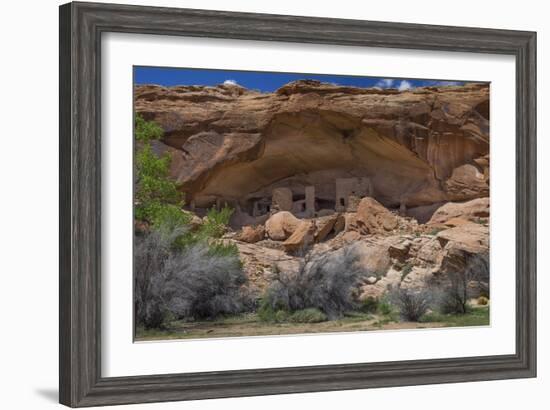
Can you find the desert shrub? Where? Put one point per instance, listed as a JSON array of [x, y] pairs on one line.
[[146, 131], [189, 283], [370, 305], [194, 284], [327, 284], [412, 304], [215, 223], [220, 248], [151, 251], [457, 293], [482, 300], [310, 315], [385, 307], [266, 313], [161, 215], [281, 316], [210, 232]]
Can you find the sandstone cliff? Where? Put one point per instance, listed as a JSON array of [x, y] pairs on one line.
[[420, 148]]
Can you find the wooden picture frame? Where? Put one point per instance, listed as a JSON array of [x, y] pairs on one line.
[[81, 27]]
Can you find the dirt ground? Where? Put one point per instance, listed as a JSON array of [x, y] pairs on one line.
[[249, 325]]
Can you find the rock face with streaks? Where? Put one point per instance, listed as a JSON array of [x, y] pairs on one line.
[[416, 149], [315, 167]]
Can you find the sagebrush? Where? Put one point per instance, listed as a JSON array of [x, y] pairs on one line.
[[327, 284], [458, 292], [185, 283], [412, 303]]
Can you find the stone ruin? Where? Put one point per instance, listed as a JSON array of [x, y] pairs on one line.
[[349, 192]]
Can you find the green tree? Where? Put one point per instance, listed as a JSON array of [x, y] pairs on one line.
[[146, 131], [159, 202], [157, 198]]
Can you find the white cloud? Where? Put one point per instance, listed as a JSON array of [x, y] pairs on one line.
[[384, 83], [447, 83], [404, 85], [230, 82]]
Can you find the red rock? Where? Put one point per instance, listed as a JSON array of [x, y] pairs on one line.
[[230, 142]]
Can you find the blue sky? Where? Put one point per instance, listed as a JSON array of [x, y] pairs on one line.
[[266, 81]]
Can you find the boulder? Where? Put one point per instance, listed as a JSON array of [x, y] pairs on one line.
[[328, 224], [340, 224], [418, 278], [400, 251], [259, 261], [251, 234], [471, 237], [430, 252], [350, 236], [460, 245], [302, 237], [466, 182], [350, 222], [374, 256], [281, 226], [373, 217], [378, 289], [471, 210]]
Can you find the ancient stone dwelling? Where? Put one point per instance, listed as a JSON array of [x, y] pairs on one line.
[[301, 201]]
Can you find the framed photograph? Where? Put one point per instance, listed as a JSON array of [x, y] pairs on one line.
[[261, 204]]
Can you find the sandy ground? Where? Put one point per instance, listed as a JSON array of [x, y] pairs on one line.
[[255, 328]]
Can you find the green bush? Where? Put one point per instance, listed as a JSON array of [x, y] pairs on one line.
[[375, 305], [153, 180], [146, 131], [223, 249], [310, 315], [161, 215], [215, 223], [151, 165], [157, 198], [385, 307], [281, 316], [266, 313], [370, 305]]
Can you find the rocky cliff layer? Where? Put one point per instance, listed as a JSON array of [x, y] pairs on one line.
[[419, 147]]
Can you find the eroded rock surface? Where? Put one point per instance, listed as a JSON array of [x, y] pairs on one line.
[[477, 209], [418, 147], [315, 167], [401, 253]]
